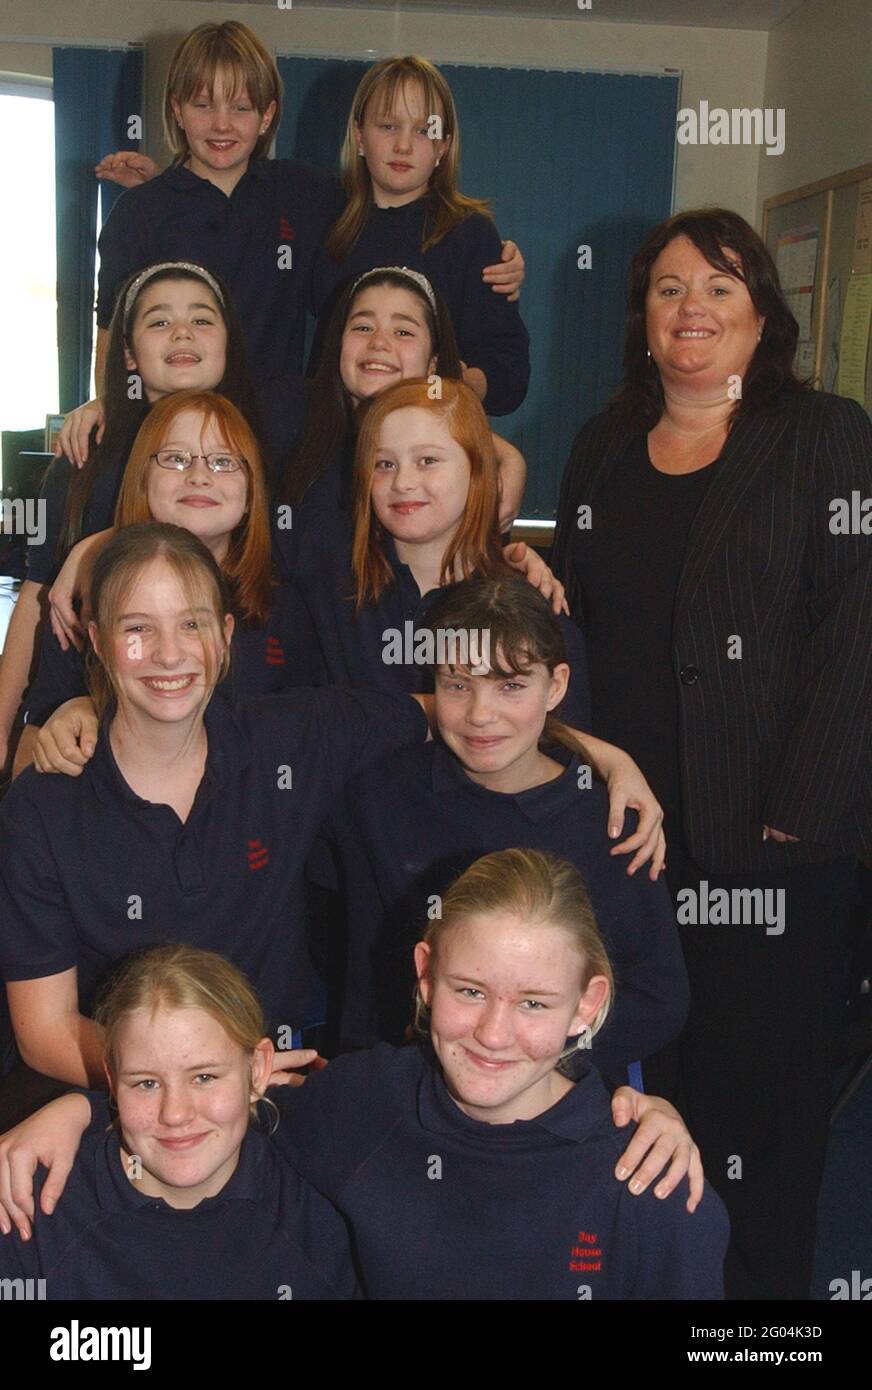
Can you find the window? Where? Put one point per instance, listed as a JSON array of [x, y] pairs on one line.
[[28, 344]]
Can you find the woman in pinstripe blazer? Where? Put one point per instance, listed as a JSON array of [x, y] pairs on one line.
[[705, 537]]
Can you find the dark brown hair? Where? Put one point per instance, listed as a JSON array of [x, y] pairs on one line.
[[331, 417], [714, 232], [125, 415], [523, 631]]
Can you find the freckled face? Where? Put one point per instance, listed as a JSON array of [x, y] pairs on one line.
[[386, 339], [183, 1088], [503, 995], [701, 324]]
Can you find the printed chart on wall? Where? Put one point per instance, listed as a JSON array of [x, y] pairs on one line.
[[796, 260]]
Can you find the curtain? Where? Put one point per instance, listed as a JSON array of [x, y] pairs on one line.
[[96, 92], [568, 159]]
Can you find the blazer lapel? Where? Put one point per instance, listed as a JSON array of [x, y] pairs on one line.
[[750, 447]]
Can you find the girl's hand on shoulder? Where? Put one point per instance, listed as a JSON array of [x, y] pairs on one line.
[[127, 168], [661, 1138], [507, 276], [534, 569], [627, 788], [284, 1063], [66, 742], [75, 433], [50, 1137]]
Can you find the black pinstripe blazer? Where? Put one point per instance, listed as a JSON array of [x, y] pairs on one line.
[[783, 735]]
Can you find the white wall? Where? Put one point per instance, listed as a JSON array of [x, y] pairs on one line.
[[726, 67], [820, 71]]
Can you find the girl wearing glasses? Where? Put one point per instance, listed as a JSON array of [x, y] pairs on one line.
[[174, 328], [195, 463]]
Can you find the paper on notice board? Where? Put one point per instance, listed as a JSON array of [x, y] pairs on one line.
[[796, 260], [854, 343], [831, 333], [861, 259]]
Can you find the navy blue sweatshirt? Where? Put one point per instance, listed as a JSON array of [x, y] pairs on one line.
[[89, 871], [177, 216], [359, 650], [441, 1206], [266, 1235], [490, 332], [282, 653], [415, 821]]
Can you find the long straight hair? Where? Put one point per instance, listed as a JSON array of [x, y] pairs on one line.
[[247, 566], [124, 413], [332, 410], [475, 545], [380, 89]]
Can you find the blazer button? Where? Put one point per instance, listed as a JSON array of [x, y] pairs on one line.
[[689, 675]]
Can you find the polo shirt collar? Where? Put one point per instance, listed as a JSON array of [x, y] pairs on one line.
[[178, 176], [537, 803], [229, 751], [579, 1114], [116, 1193]]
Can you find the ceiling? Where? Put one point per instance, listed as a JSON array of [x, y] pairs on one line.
[[714, 14]]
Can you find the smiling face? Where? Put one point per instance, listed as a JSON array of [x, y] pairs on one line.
[[222, 130], [420, 481], [399, 154], [183, 1088], [178, 338], [492, 723], [386, 338], [701, 324], [504, 994], [162, 649], [211, 505]]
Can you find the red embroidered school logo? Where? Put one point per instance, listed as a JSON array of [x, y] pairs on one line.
[[286, 229], [258, 855], [586, 1255], [275, 652]]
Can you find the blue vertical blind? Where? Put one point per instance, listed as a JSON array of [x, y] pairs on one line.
[[96, 91], [568, 159]]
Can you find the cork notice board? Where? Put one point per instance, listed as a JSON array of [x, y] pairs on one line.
[[821, 234]]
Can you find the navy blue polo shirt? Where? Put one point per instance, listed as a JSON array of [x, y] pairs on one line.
[[441, 1206], [180, 217], [89, 871], [281, 654], [266, 1235], [490, 332], [416, 821], [354, 646]]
